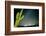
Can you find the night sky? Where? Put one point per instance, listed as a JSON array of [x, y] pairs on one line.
[[31, 17]]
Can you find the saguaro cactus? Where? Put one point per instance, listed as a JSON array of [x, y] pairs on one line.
[[19, 17]]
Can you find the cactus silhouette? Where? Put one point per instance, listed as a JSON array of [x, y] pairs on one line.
[[19, 18]]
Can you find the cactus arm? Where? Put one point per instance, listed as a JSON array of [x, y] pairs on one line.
[[22, 17], [17, 15], [21, 12]]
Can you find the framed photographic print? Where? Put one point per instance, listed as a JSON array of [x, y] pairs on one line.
[[24, 18]]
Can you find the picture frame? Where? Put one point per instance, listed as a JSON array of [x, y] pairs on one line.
[[10, 6]]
